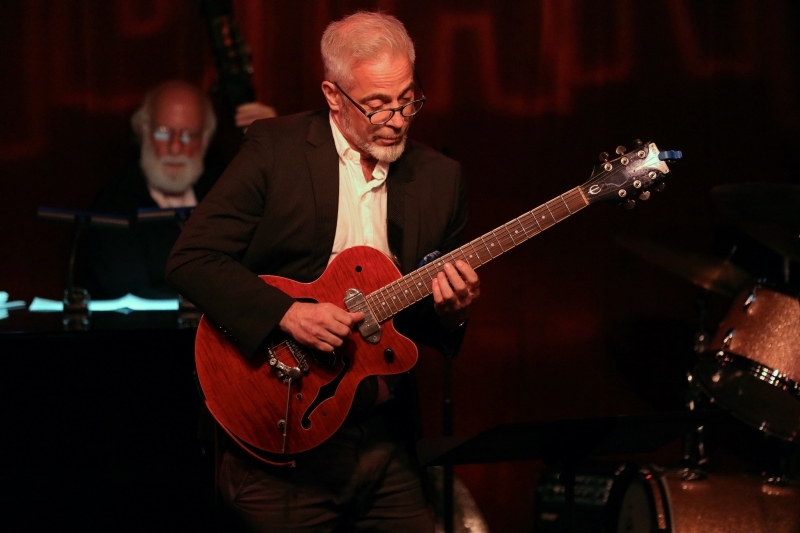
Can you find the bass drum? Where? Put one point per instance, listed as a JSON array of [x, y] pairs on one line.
[[753, 367], [662, 501]]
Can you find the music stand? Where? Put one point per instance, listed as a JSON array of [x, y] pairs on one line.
[[564, 444], [76, 299], [157, 214]]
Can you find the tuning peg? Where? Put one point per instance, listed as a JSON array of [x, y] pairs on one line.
[[644, 196], [670, 155], [637, 142], [660, 186], [621, 149], [629, 204], [603, 157]]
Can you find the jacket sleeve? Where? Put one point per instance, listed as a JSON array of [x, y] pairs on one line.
[[205, 265]]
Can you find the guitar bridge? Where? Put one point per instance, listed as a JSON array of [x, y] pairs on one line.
[[284, 371], [356, 302]]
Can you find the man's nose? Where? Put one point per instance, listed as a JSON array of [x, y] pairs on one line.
[[175, 145], [396, 121]]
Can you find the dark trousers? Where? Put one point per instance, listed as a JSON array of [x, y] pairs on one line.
[[361, 479]]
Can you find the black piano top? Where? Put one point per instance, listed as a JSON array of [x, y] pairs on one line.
[[26, 323]]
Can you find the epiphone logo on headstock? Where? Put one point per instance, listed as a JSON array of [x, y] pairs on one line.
[[594, 189]]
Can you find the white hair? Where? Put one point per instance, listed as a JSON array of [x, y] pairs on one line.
[[142, 116], [364, 36]]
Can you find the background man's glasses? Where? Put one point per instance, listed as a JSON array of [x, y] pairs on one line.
[[383, 116], [166, 134]]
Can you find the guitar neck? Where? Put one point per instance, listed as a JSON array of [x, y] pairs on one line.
[[411, 288]]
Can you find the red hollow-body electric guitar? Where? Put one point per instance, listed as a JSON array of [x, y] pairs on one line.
[[291, 399]]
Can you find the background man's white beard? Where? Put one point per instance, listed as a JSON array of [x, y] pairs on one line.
[[176, 181]]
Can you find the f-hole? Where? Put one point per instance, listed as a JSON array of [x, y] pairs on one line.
[[325, 392]]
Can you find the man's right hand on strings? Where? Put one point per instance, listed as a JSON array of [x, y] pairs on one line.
[[322, 327]]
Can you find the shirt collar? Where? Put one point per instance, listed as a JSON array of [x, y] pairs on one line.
[[346, 153]]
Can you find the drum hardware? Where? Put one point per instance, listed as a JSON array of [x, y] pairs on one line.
[[660, 500], [598, 492], [768, 212], [716, 275], [753, 364], [694, 457]]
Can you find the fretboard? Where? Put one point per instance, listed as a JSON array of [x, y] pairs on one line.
[[411, 288]]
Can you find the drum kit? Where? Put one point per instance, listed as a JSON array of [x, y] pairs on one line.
[[750, 367]]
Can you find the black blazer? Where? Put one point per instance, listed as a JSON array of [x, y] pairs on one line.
[[274, 211]]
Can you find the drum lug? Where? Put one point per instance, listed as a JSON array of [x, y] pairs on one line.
[[750, 299], [726, 340]]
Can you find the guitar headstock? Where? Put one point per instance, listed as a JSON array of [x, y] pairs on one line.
[[630, 176]]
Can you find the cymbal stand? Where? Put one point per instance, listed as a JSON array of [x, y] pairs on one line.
[[694, 456]]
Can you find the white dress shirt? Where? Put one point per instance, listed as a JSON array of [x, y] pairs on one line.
[[361, 218]]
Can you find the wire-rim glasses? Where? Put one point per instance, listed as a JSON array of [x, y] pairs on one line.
[[382, 116]]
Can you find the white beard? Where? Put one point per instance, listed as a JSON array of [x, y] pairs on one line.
[[165, 179], [389, 154]]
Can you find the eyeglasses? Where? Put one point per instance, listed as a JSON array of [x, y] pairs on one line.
[[166, 134], [382, 116]]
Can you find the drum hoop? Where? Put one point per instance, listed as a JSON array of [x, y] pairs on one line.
[[768, 375]]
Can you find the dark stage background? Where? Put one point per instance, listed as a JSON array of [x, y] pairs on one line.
[[525, 94]]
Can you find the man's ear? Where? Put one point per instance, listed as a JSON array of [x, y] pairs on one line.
[[332, 95]]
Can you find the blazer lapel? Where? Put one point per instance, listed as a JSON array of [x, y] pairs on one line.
[[401, 190], [323, 166]]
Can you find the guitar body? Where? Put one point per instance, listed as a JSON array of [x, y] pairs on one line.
[[249, 399]]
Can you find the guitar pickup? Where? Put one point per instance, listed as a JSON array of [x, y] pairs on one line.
[[355, 302]]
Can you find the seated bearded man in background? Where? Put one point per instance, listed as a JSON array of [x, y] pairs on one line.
[[168, 167]]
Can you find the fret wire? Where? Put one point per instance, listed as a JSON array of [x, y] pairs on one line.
[[536, 219], [484, 245], [474, 254], [507, 240], [420, 283], [558, 209], [499, 242], [376, 308], [522, 225], [381, 304], [404, 290], [540, 210], [414, 284], [493, 242], [387, 298], [398, 302], [397, 295], [551, 213], [516, 226], [487, 248], [566, 205], [505, 227], [463, 255]]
